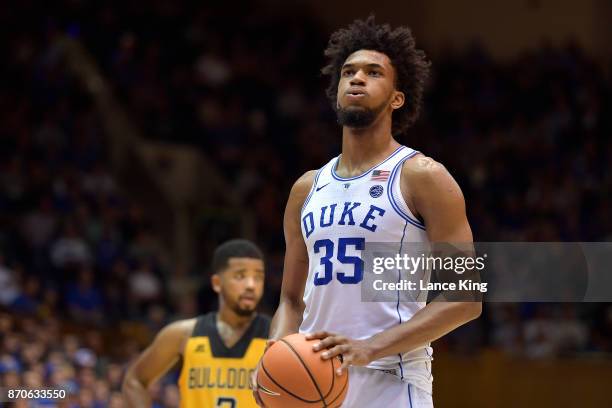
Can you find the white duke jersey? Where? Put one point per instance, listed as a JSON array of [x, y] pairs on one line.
[[339, 215]]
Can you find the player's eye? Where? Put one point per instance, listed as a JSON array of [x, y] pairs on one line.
[[374, 73], [347, 72]]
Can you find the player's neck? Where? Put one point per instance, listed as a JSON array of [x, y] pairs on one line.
[[233, 319], [365, 148]]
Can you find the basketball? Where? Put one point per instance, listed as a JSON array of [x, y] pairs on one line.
[[293, 375]]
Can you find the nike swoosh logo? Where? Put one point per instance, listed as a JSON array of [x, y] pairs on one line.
[[319, 188]]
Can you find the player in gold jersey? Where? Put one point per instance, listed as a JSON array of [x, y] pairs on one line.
[[219, 350]]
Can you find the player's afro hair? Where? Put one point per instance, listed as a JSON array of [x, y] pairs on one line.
[[410, 63]]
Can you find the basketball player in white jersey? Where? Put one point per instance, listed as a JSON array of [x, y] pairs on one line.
[[376, 191]]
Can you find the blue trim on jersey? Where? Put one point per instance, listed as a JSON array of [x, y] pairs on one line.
[[333, 169], [399, 315], [409, 396], [312, 190], [394, 204]]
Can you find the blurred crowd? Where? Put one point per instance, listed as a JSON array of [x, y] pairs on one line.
[[41, 354], [70, 240], [526, 140]]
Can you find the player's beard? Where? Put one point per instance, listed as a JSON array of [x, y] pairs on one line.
[[234, 304], [244, 312], [358, 117]]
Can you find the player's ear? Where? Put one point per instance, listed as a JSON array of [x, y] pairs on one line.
[[398, 99], [215, 282]]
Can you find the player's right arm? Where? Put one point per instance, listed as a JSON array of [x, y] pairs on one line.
[[154, 362], [288, 316]]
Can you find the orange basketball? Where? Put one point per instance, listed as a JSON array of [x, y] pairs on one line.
[[292, 375]]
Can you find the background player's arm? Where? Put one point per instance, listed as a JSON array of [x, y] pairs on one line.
[[155, 361], [288, 316], [437, 198]]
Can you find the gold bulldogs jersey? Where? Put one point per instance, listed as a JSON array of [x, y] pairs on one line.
[[216, 376]]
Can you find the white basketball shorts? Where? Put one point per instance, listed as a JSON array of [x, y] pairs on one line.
[[369, 388]]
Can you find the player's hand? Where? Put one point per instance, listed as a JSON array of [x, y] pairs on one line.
[[254, 387], [354, 352]]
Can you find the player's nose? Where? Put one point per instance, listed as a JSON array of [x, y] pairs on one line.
[[359, 79], [250, 282]]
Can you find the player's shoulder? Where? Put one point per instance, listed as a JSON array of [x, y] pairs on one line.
[[425, 177], [182, 328], [174, 335], [421, 167], [424, 171], [300, 190], [304, 183]]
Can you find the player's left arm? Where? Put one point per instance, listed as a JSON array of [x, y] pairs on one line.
[[438, 200]]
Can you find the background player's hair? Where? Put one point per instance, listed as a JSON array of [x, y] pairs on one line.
[[235, 248], [410, 63]]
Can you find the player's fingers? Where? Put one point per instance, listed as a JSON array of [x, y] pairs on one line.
[[335, 351], [346, 362], [318, 335], [329, 342]]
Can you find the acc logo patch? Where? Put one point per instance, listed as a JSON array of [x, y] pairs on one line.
[[376, 191]]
